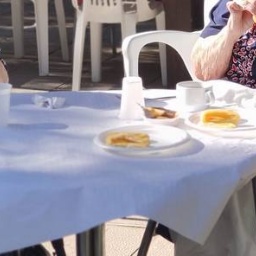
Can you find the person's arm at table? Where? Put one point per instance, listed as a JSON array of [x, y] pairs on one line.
[[211, 55], [4, 77]]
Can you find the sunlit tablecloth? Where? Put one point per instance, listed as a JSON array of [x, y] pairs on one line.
[[55, 181]]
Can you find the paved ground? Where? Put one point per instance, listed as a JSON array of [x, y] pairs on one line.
[[123, 236]]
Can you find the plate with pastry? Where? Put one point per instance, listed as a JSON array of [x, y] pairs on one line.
[[223, 120], [141, 139], [159, 115]]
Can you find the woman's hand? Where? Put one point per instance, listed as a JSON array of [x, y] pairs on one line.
[[248, 5], [241, 15]]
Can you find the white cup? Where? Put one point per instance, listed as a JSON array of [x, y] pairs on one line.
[[5, 93], [194, 96], [132, 99]]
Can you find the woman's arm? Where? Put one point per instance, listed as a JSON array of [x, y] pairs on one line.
[[4, 78], [211, 55]]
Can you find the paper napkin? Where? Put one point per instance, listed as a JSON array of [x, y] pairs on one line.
[[48, 102], [227, 92]]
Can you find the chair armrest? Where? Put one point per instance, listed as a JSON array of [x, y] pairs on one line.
[[76, 4], [181, 41]]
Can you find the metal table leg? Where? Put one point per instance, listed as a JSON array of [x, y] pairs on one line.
[[254, 191], [147, 237], [91, 242]]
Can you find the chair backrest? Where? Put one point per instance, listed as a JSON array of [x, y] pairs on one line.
[[112, 11], [180, 41]]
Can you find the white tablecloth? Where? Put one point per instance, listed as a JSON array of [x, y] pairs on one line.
[[55, 181]]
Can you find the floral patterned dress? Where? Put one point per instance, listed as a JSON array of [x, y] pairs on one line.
[[242, 68]]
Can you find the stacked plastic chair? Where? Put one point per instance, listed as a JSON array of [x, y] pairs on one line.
[[42, 33], [128, 13]]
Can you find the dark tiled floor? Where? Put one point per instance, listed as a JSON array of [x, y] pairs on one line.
[[24, 72]]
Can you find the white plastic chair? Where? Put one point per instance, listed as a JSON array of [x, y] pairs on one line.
[[181, 41], [42, 33], [110, 11]]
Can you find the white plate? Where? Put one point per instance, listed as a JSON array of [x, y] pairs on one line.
[[247, 123], [162, 138]]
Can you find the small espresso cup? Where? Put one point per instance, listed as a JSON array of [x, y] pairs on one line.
[[194, 96]]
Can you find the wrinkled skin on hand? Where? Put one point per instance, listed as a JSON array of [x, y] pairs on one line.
[[241, 14]]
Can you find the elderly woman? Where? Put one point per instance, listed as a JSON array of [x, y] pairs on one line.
[[227, 46]]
